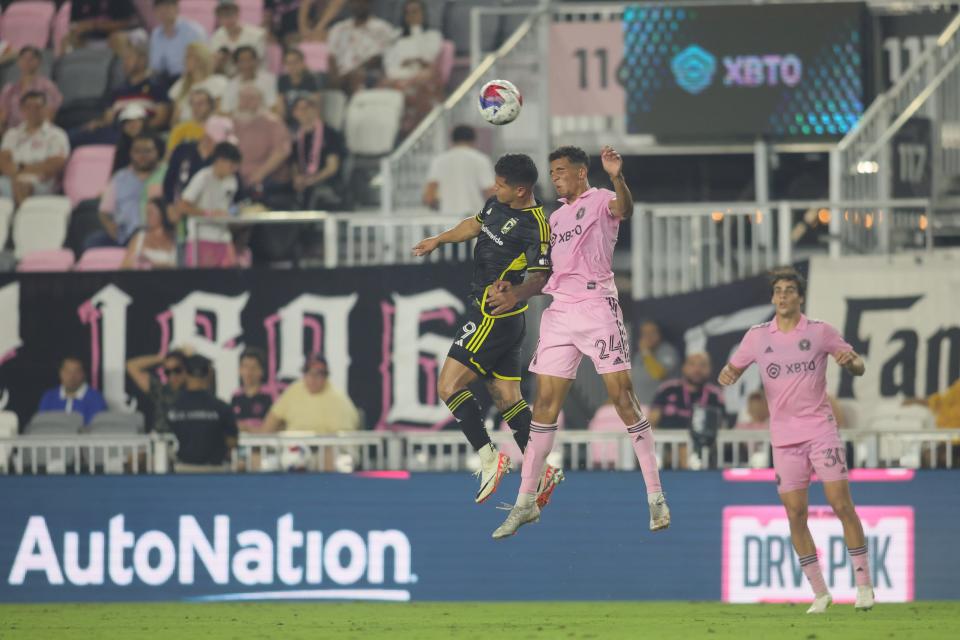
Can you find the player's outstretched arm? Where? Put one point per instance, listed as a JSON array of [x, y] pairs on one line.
[[503, 296], [850, 361], [729, 375], [468, 229], [622, 207]]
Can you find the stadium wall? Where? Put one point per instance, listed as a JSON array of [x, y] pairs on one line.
[[398, 537]]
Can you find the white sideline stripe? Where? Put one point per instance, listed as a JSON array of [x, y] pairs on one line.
[[386, 595]]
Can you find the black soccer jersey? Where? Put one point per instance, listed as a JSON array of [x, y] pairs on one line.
[[511, 242]]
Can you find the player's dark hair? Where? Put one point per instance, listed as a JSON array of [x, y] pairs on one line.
[[789, 274], [575, 155], [517, 169], [226, 151], [463, 133]]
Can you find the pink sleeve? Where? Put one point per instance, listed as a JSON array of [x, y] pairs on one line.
[[744, 356], [833, 341]]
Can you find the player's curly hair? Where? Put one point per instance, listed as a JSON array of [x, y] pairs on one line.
[[517, 169], [778, 274], [575, 155]]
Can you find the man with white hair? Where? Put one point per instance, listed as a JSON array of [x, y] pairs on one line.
[[264, 143]]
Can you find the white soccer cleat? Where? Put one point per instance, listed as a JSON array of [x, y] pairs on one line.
[[518, 517], [552, 476], [865, 600], [491, 475], [820, 604], [659, 511]]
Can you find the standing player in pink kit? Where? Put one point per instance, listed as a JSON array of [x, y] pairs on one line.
[[583, 319], [791, 351]]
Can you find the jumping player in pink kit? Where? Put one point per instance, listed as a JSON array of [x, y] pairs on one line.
[[584, 319], [791, 352]]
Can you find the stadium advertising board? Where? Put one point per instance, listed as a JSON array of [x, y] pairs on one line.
[[420, 537], [759, 564], [743, 71], [384, 332]]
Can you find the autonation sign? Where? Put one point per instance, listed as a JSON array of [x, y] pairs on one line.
[[318, 565]]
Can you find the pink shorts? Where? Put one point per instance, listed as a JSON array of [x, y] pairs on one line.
[[826, 455], [593, 328], [212, 254]]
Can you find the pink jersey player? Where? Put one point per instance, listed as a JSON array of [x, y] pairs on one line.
[[792, 352], [584, 319]]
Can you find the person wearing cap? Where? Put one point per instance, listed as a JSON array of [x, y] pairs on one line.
[[313, 404], [201, 107], [233, 34], [33, 153], [204, 426], [28, 62], [133, 122], [170, 38]]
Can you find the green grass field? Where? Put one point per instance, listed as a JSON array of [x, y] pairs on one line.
[[554, 620]]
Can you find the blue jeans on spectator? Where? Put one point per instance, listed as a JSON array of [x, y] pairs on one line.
[[99, 239]]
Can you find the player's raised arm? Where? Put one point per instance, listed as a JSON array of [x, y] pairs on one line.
[[729, 375], [622, 207], [468, 229]]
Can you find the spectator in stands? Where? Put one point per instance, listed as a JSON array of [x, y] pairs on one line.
[[33, 153], [653, 362], [356, 48], [133, 122], [73, 395], [160, 392], [945, 406], [265, 144], [30, 80], [461, 178], [251, 403], [201, 107], [121, 205], [94, 21], [295, 82], [757, 411], [189, 157], [170, 38], [7, 52], [138, 87], [213, 192], [198, 74], [314, 18], [233, 34], [313, 404], [280, 18], [410, 65], [153, 247], [318, 153], [249, 72], [677, 400], [204, 425]]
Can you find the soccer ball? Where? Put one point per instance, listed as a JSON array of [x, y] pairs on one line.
[[500, 102]]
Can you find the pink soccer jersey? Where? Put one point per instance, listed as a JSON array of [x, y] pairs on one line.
[[793, 368], [582, 237]]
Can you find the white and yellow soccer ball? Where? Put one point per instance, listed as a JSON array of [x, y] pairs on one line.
[[500, 102]]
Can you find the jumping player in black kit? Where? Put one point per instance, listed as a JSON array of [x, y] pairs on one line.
[[513, 244]]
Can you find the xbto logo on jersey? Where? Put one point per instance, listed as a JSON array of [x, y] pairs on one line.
[[508, 225], [565, 236], [774, 370]]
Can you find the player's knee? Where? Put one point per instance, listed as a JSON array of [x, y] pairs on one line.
[[797, 515], [844, 510], [446, 388]]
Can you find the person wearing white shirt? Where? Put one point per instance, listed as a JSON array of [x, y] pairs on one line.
[[33, 153], [197, 74], [211, 193], [410, 65], [233, 34], [461, 178], [356, 47], [249, 72]]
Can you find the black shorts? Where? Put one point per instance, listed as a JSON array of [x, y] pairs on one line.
[[490, 346]]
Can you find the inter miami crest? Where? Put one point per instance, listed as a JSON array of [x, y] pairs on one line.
[[581, 212], [804, 345], [509, 224]]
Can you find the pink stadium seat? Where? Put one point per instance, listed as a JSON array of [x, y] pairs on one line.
[[47, 260], [274, 58], [445, 60], [315, 55], [604, 455], [251, 11], [61, 26], [27, 23], [87, 172], [201, 12], [102, 259]]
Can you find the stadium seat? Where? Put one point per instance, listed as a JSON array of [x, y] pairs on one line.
[[54, 423], [41, 223], [315, 56], [60, 28], [101, 259], [116, 423], [83, 77], [373, 120], [46, 260], [27, 23], [203, 12], [605, 455], [6, 213], [251, 11], [445, 61], [890, 416], [274, 58], [87, 172], [333, 103], [456, 25]]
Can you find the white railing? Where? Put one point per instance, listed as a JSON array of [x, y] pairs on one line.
[[678, 248], [448, 451]]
